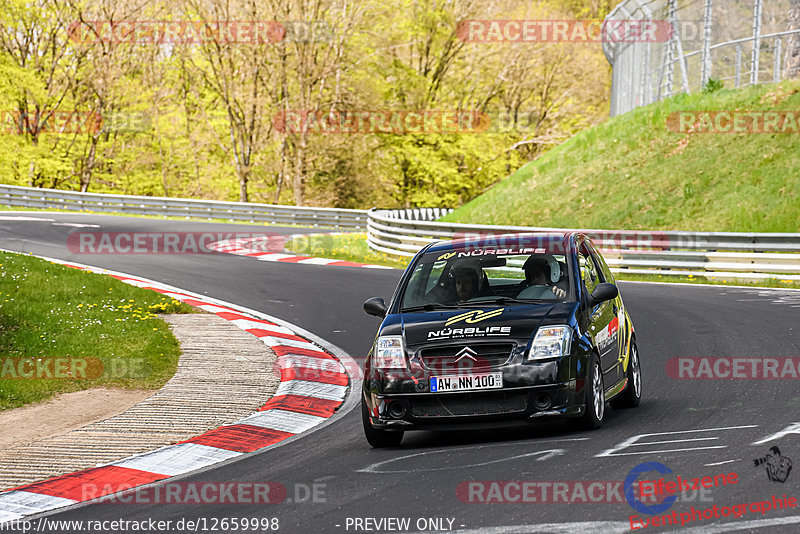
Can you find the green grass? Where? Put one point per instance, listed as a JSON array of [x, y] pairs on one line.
[[347, 247], [632, 173], [105, 332]]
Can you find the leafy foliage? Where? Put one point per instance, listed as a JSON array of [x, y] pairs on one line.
[[199, 119]]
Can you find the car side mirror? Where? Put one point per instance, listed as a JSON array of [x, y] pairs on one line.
[[603, 292], [375, 306]]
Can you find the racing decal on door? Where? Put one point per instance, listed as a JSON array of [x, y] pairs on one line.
[[607, 335]]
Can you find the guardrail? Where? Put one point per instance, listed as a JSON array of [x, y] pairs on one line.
[[722, 255], [34, 197]]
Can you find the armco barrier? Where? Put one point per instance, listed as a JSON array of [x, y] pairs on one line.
[[723, 255], [34, 197]]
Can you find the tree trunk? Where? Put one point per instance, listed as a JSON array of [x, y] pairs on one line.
[[300, 168], [244, 177], [793, 41], [88, 167]]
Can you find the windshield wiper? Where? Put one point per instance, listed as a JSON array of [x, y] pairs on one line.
[[430, 307], [506, 300]]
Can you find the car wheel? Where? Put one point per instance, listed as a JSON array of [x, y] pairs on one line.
[[595, 397], [632, 396], [379, 438]]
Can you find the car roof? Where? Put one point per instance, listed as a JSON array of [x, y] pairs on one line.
[[510, 240]]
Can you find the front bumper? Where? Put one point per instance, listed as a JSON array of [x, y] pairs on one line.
[[478, 409]]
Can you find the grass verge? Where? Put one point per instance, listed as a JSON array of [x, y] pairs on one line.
[[632, 172], [63, 329]]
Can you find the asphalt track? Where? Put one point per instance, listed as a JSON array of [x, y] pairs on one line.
[[695, 427]]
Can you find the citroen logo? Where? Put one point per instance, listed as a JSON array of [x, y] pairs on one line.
[[466, 352]]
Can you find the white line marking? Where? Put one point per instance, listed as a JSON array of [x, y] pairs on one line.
[[76, 225], [794, 428], [734, 525], [664, 451], [634, 441], [23, 218], [372, 468], [672, 441], [721, 463], [548, 454]]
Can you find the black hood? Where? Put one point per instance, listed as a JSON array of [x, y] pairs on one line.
[[487, 323]]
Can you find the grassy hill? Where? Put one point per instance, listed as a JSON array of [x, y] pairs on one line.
[[631, 172]]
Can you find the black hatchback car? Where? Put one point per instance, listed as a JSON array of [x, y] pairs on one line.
[[499, 330]]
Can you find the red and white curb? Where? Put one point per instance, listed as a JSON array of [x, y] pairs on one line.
[[314, 385], [270, 248]]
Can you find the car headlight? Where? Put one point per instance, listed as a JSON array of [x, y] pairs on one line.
[[389, 353], [550, 342]]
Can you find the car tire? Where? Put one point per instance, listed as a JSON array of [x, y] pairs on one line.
[[379, 439], [595, 397], [632, 395]]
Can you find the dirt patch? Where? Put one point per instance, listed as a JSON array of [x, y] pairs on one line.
[[64, 412]]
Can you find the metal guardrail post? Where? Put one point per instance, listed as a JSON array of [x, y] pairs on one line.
[[706, 60], [754, 61], [738, 72], [776, 70]]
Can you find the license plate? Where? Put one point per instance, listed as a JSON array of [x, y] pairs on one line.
[[440, 384]]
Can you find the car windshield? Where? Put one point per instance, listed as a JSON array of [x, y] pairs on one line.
[[457, 279]]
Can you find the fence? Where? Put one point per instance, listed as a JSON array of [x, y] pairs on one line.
[[723, 255], [33, 197], [740, 42]]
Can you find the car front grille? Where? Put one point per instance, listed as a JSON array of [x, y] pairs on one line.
[[484, 403], [466, 358]]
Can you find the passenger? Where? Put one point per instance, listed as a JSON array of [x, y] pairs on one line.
[[537, 273], [466, 282]]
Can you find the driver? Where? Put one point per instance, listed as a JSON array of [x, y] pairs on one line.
[[466, 282], [537, 273]]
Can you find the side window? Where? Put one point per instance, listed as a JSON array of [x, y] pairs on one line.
[[601, 263], [589, 272]]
